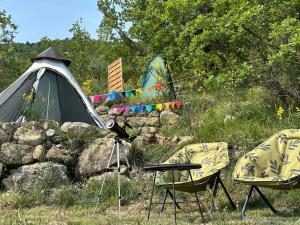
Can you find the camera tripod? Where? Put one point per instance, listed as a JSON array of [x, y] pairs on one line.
[[117, 148]]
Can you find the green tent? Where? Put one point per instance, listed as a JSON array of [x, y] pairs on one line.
[[157, 73]]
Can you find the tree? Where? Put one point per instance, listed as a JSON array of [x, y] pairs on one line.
[[7, 31], [224, 42]]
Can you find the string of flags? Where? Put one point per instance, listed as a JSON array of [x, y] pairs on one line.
[[125, 94], [148, 108]]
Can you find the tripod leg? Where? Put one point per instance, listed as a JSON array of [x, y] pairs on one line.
[[127, 161], [104, 179], [119, 183]]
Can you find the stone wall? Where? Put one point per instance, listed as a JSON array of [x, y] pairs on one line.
[[146, 124], [44, 153]]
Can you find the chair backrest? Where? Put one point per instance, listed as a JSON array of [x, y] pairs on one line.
[[212, 157], [278, 158]]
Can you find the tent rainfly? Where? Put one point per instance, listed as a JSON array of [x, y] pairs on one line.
[[157, 72], [55, 93]]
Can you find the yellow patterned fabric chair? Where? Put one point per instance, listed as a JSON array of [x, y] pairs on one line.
[[213, 157], [273, 164]]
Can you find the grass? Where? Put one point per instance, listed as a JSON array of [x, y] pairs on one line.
[[255, 116]]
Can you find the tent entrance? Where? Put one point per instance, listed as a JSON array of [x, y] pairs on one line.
[[57, 100]]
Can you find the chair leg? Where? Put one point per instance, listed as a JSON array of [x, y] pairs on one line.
[[168, 192], [151, 198], [200, 209], [213, 194], [243, 215], [266, 200], [226, 192], [174, 196], [164, 201]]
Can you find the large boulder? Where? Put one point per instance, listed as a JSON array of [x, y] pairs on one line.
[[16, 154], [152, 122], [95, 157], [39, 153], [27, 136], [102, 110], [60, 155], [137, 121], [149, 130], [10, 128], [44, 175], [3, 136], [168, 118], [33, 125], [78, 127]]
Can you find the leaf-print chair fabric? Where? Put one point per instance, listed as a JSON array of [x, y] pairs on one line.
[[273, 164], [213, 157]]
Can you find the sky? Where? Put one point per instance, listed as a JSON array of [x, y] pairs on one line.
[[52, 18]]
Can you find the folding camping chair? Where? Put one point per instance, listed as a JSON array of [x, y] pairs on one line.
[[273, 164], [212, 156]]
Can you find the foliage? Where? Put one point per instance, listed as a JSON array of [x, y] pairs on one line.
[[232, 43]]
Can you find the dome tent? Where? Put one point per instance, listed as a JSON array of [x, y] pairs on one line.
[[157, 73], [57, 95]]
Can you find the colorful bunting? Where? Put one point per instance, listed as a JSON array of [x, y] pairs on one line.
[[121, 109], [96, 98], [157, 87], [172, 105], [133, 108], [167, 106], [127, 109], [92, 98], [139, 109], [110, 96], [103, 97], [153, 107], [159, 107], [139, 91], [124, 94], [178, 104], [149, 108]]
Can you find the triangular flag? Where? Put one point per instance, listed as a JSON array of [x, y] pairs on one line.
[[167, 105], [154, 107], [133, 92], [103, 97], [127, 109], [133, 108], [159, 107], [178, 104], [92, 98], [157, 86], [139, 108], [124, 94], [143, 108], [111, 96], [115, 110], [172, 105], [128, 93], [149, 108], [121, 109], [116, 96], [96, 98], [139, 91], [149, 88]]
